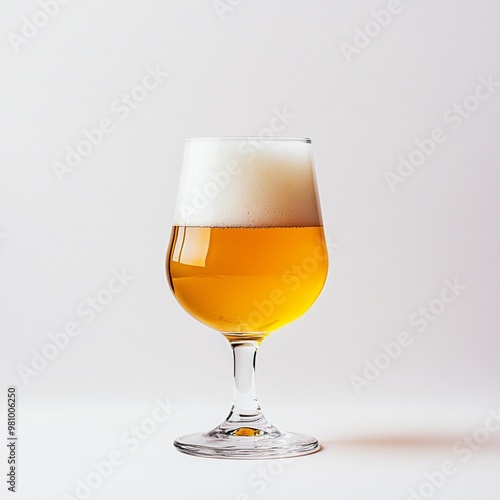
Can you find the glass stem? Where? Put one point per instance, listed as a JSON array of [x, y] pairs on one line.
[[246, 407]]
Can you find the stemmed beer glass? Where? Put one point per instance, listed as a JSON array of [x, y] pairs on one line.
[[247, 255]]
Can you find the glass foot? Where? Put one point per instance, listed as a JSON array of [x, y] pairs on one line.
[[246, 443]]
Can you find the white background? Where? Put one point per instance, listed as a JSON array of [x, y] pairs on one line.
[[61, 240]]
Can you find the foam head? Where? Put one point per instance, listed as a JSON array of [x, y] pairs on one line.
[[247, 182]]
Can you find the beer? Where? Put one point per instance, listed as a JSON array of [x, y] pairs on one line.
[[247, 279], [247, 255]]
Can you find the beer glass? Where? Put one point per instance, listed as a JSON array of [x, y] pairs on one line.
[[247, 255]]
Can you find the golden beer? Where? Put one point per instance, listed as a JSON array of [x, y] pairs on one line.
[[247, 255], [245, 280]]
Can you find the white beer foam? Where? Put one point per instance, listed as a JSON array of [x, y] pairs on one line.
[[247, 182]]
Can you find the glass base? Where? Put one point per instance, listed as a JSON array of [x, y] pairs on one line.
[[246, 443]]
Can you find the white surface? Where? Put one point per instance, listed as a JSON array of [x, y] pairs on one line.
[[61, 241], [375, 455]]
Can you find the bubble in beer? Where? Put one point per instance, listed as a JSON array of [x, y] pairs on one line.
[[250, 182]]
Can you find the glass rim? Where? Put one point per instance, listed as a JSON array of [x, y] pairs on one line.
[[249, 138]]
